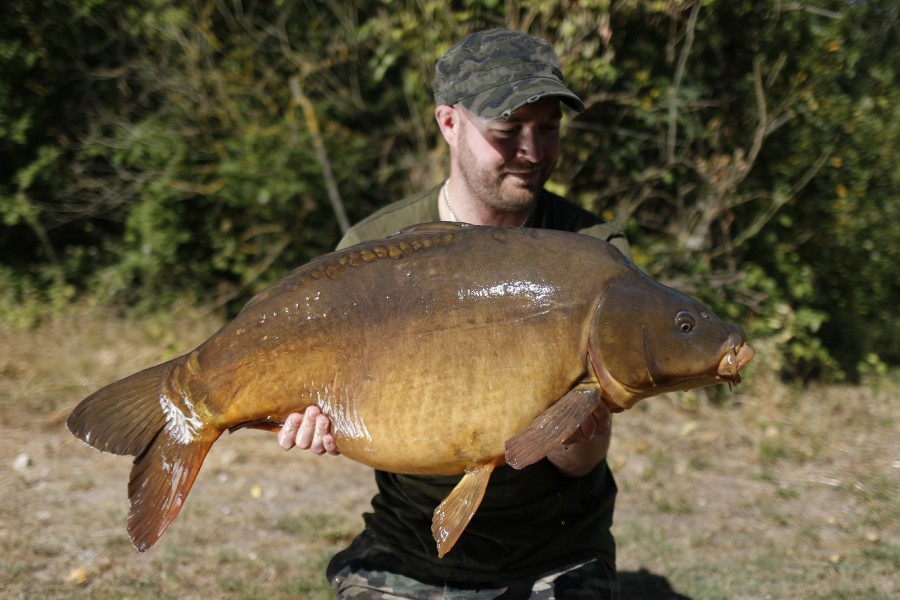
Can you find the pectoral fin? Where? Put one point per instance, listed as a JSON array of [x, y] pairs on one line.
[[552, 426], [454, 513]]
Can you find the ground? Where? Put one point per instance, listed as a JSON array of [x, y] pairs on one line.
[[767, 492]]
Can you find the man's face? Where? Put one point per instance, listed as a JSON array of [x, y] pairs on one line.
[[505, 162]]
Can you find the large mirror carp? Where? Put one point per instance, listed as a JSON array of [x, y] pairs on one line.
[[444, 349]]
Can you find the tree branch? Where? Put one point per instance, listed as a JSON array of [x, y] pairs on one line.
[[321, 156], [676, 82]]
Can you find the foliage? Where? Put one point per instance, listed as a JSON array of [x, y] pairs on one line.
[[162, 149]]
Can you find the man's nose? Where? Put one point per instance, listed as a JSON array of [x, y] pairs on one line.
[[530, 147]]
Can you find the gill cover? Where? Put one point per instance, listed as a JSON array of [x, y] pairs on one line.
[[647, 338]]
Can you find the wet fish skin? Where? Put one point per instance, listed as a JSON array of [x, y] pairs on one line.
[[444, 349]]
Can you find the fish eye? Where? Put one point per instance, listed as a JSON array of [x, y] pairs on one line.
[[684, 321]]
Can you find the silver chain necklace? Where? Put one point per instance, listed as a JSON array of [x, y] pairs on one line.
[[447, 201], [453, 216]]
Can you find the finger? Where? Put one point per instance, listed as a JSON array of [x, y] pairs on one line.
[[589, 427], [321, 431], [578, 436], [288, 432], [330, 445], [307, 431], [597, 423], [603, 420]]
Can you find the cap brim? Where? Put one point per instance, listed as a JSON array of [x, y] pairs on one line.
[[503, 100]]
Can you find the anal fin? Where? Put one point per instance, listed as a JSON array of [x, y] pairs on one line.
[[454, 513], [552, 427]]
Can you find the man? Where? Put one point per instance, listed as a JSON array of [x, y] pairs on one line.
[[544, 531]]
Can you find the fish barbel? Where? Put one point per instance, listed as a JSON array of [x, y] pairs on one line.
[[445, 349]]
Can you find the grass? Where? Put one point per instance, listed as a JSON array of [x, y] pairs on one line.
[[775, 492]]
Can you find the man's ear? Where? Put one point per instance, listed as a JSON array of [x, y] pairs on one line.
[[447, 119]]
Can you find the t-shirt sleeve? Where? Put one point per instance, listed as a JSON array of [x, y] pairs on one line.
[[611, 234]]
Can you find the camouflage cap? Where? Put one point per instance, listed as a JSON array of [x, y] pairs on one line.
[[494, 72]]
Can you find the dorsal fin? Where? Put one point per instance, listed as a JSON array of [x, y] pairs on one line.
[[405, 242]]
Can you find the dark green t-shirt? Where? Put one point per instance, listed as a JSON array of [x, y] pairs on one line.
[[530, 521]]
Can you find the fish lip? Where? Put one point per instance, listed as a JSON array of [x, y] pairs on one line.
[[733, 361]]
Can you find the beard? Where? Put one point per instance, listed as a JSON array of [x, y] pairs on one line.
[[501, 189]]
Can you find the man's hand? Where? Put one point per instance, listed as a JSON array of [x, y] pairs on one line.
[[597, 423], [584, 449], [308, 431]]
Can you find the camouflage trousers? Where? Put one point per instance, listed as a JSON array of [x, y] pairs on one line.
[[357, 574]]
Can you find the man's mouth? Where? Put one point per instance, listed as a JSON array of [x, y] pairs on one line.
[[527, 176]]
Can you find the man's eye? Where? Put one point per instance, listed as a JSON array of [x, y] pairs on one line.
[[506, 133]]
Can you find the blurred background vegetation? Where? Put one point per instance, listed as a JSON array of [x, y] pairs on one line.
[[155, 152]]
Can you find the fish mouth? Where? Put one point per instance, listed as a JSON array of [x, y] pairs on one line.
[[733, 361]]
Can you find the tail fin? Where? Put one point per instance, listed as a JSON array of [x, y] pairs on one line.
[[136, 416]]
